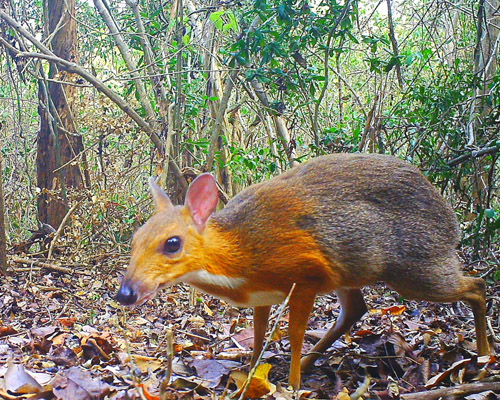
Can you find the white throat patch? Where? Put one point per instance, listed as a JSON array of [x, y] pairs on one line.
[[202, 277], [256, 299]]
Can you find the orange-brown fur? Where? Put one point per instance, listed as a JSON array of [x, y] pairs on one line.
[[217, 252]]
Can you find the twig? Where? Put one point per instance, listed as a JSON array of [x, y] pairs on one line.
[[99, 349], [61, 227], [495, 337], [136, 380], [281, 310], [459, 390], [52, 267], [26, 269], [202, 338], [361, 390], [394, 42], [319, 100]]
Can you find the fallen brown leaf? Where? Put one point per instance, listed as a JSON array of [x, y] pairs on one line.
[[18, 381], [142, 362], [210, 370], [244, 338], [259, 385], [7, 330], [78, 384], [67, 322], [435, 380]]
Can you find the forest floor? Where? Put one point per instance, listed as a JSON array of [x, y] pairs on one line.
[[62, 335]]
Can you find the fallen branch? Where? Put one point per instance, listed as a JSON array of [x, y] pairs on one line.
[[459, 390], [49, 266]]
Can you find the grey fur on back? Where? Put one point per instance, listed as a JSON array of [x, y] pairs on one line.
[[375, 214]]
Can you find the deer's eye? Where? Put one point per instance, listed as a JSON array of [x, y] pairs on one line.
[[172, 245]]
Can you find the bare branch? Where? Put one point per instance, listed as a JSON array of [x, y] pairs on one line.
[[61, 228], [127, 56], [214, 136], [394, 43], [473, 154]]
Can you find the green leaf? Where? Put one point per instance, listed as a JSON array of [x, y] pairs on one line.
[[410, 58], [392, 63], [241, 59], [283, 11], [490, 212], [250, 74], [426, 53], [232, 24], [352, 37], [216, 18]]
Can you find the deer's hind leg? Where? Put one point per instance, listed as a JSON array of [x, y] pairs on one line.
[[352, 308], [474, 294], [442, 281]]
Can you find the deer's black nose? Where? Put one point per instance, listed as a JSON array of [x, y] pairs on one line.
[[126, 295]]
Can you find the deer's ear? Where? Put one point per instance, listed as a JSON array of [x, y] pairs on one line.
[[161, 199], [201, 199]]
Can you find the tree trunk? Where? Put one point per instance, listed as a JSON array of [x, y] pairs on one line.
[[3, 236], [486, 58], [58, 142], [485, 68]]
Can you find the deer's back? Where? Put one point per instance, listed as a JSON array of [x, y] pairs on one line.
[[375, 215]]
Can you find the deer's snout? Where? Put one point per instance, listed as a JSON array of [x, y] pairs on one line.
[[127, 295]]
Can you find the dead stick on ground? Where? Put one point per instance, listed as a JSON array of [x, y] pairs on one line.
[[360, 391], [61, 227], [281, 310], [52, 267], [136, 380], [169, 369], [460, 390]]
